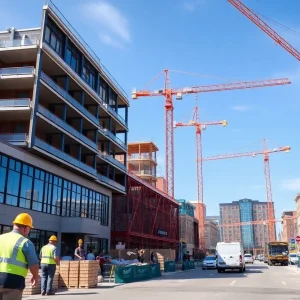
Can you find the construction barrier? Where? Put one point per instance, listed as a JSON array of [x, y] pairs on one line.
[[169, 266], [188, 265], [128, 274]]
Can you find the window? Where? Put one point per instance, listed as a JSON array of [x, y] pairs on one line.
[[89, 74], [54, 37], [103, 91], [3, 168], [112, 98], [26, 186], [66, 200], [84, 203], [75, 201], [13, 182], [72, 57]]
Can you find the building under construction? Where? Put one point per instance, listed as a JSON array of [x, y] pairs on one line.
[[145, 217]]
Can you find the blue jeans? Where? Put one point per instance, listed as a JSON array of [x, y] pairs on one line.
[[48, 272]]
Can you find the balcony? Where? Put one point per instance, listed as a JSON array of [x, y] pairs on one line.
[[17, 139], [143, 156], [143, 173], [112, 160], [19, 103], [17, 71], [110, 135], [69, 98], [111, 182], [77, 37], [24, 76], [84, 85], [15, 109], [19, 43], [61, 123], [68, 159]]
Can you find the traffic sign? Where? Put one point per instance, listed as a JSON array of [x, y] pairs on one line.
[[298, 239], [292, 241]]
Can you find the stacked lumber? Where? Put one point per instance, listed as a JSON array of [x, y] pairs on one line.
[[29, 290], [63, 280], [164, 255], [88, 274], [74, 274]]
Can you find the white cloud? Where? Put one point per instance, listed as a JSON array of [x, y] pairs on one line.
[[193, 5], [114, 26], [108, 40], [240, 108], [292, 184]]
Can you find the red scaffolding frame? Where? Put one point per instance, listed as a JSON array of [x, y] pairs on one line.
[[145, 217]]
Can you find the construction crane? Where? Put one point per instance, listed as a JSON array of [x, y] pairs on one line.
[[265, 153], [199, 126], [265, 27], [168, 93]]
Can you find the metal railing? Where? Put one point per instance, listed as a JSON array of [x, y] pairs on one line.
[[13, 137], [143, 172], [19, 102], [81, 41], [113, 137], [142, 156], [19, 43], [64, 156], [55, 119], [113, 112], [111, 182], [68, 97], [111, 159], [17, 71]]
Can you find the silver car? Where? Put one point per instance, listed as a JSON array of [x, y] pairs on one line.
[[210, 262]]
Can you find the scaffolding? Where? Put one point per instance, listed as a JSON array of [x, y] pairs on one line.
[[145, 217]]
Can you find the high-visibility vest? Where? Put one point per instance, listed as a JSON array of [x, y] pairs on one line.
[[12, 259], [48, 255]]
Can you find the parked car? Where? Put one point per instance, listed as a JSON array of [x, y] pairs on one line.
[[248, 258], [293, 259], [262, 258], [230, 256], [209, 262]]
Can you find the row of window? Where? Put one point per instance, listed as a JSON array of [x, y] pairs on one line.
[[54, 37], [25, 186]]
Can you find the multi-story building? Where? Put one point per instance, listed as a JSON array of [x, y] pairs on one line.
[[252, 235], [61, 111], [289, 226], [142, 160], [297, 201], [211, 234]]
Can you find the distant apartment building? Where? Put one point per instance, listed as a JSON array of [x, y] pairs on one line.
[[215, 219], [297, 200], [245, 211], [211, 234], [289, 226]]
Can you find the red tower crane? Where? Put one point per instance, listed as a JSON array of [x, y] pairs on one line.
[[199, 127], [265, 153], [168, 93], [265, 27]]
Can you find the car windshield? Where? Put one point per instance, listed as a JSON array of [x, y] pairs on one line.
[[210, 258], [248, 255], [293, 255]]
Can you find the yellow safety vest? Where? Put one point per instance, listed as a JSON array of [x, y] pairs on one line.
[[12, 259], [48, 255]]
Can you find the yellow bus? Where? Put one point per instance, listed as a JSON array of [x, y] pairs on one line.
[[277, 253]]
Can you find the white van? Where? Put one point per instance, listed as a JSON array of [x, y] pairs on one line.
[[230, 256]]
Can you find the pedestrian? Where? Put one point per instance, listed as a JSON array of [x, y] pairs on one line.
[[142, 256], [90, 255], [79, 253], [152, 258], [17, 255], [49, 260]]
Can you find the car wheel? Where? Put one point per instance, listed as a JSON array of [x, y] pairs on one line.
[[219, 270]]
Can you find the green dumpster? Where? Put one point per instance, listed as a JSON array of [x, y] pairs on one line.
[[124, 274], [155, 270], [170, 266]]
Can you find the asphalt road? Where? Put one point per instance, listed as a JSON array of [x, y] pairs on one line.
[[257, 283]]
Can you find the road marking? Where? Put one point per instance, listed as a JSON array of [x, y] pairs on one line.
[[283, 283], [233, 282]]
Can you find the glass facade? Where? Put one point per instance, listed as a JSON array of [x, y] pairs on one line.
[[97, 245], [29, 187], [246, 215]]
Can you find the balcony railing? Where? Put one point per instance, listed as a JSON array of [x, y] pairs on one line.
[[112, 160], [143, 172], [17, 71], [113, 137], [142, 156], [68, 97], [64, 156], [111, 182], [19, 43], [113, 112], [20, 102], [50, 116], [14, 137]]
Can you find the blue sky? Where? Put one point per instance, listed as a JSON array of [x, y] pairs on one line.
[[137, 39]]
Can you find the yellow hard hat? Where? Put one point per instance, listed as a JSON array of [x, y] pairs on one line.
[[53, 238], [23, 219], [80, 242]]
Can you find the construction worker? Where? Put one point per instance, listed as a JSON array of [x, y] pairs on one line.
[[79, 253], [17, 254], [49, 260]]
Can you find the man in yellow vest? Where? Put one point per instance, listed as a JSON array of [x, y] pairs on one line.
[[17, 254], [49, 260]]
